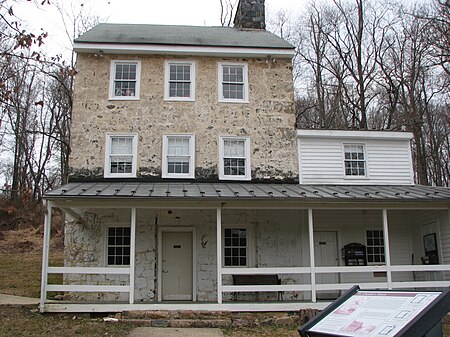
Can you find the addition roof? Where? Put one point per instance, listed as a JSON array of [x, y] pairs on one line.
[[144, 34], [247, 191]]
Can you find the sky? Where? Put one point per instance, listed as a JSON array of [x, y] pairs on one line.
[[171, 12]]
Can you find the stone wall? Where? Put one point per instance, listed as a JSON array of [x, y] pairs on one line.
[[268, 118]]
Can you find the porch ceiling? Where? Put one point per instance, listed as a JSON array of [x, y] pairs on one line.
[[247, 191]]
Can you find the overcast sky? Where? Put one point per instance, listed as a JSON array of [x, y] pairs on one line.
[[171, 12]]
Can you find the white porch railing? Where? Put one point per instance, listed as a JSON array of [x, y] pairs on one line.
[[314, 287], [88, 271]]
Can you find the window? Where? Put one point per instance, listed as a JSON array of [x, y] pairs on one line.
[[233, 82], [121, 153], [180, 81], [235, 247], [178, 156], [118, 246], [125, 80], [234, 155], [375, 246], [354, 162]]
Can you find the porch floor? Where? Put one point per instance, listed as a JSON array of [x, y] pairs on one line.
[[241, 306]]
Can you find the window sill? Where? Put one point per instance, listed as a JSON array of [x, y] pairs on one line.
[[119, 176], [176, 176], [245, 101], [123, 98], [241, 178], [179, 99]]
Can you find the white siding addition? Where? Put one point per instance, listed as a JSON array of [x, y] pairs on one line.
[[387, 157]]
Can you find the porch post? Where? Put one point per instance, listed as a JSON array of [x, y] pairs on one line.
[[219, 255], [132, 253], [45, 254], [311, 254], [387, 253]]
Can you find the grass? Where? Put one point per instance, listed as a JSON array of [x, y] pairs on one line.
[[20, 274], [24, 321]]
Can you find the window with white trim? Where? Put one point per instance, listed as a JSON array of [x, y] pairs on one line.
[[121, 155], [180, 81], [233, 82], [125, 80], [354, 160], [236, 247], [234, 153], [178, 156], [375, 246], [118, 248]]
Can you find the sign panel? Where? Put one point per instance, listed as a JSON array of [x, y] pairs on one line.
[[381, 313], [375, 313]]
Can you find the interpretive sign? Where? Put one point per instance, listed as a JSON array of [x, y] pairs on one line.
[[360, 313]]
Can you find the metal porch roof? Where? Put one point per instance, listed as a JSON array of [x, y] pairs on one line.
[[248, 191]]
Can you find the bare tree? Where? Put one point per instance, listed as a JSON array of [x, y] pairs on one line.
[[226, 11]]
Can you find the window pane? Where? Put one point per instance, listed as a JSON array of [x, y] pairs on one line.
[[354, 160], [233, 82], [118, 246], [235, 247], [179, 80]]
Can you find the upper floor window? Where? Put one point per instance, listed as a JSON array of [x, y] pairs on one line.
[[121, 155], [234, 163], [118, 248], [125, 80], [178, 156], [233, 82], [354, 160], [180, 81]]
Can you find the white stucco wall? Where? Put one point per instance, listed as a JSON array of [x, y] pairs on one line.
[[279, 238]]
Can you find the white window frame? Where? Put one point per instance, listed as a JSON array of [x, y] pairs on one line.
[[165, 164], [107, 169], [106, 246], [248, 175], [245, 99], [167, 65], [250, 245], [366, 244], [112, 95], [366, 165]]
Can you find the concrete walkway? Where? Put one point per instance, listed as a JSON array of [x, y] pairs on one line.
[[175, 332], [17, 300]]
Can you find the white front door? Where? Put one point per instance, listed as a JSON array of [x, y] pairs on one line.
[[326, 254], [176, 266]]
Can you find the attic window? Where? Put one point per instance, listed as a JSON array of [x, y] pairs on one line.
[[354, 160], [125, 80], [180, 81], [233, 82]]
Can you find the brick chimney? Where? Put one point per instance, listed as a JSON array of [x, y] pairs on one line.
[[250, 14]]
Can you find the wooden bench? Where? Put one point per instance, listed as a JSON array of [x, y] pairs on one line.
[[246, 280]]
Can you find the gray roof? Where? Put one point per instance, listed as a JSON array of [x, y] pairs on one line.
[[182, 35], [219, 191]]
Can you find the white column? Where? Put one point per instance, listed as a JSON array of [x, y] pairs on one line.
[[45, 254], [219, 255], [387, 252], [132, 253], [311, 254]]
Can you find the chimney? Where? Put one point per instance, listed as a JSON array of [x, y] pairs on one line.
[[250, 14]]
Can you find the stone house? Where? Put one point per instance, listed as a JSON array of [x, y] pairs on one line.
[[190, 188]]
